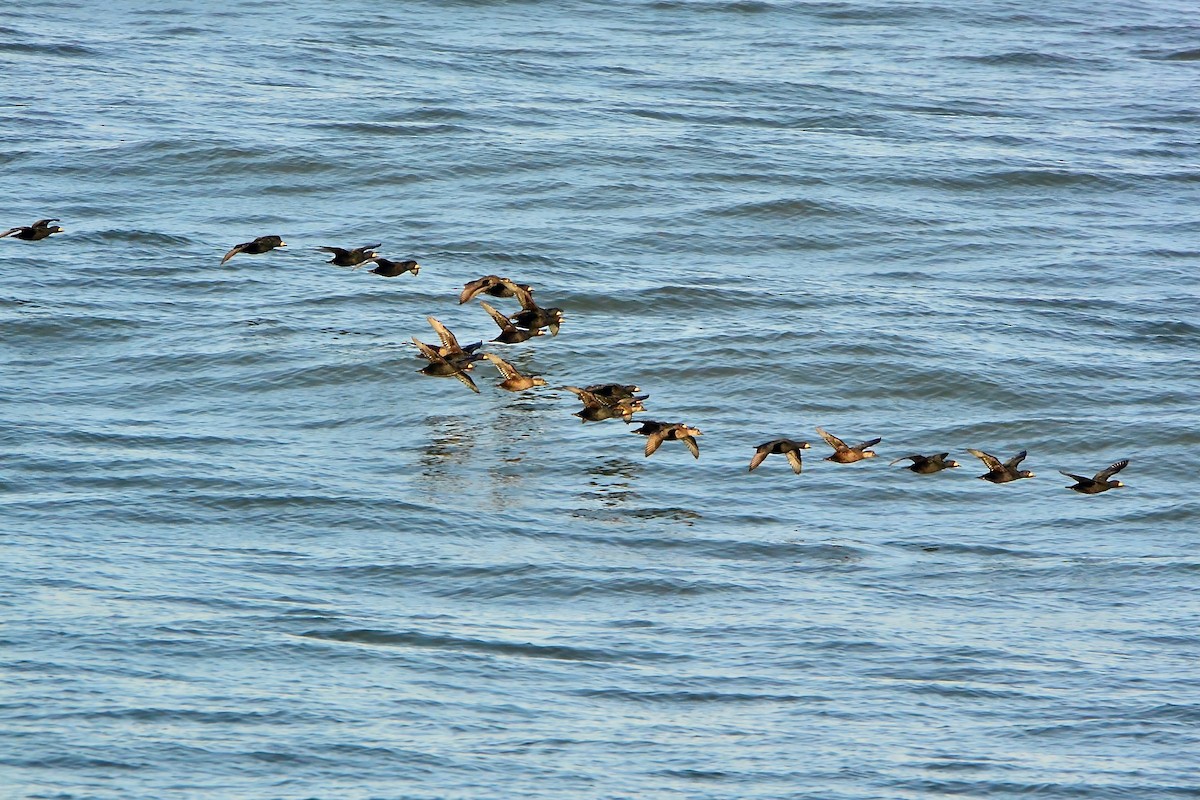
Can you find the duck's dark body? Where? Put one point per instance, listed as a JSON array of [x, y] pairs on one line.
[[258, 246], [32, 233], [927, 465], [1100, 481], [787, 447]]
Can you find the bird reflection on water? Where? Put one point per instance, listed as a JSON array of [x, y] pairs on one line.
[[446, 456], [613, 482]]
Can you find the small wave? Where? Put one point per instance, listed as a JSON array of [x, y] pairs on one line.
[[679, 697], [1026, 59], [383, 129], [1019, 178], [1183, 55], [781, 209], [185, 30], [62, 50], [482, 646], [186, 715], [1052, 790], [70, 762], [67, 328], [1168, 329], [147, 440], [722, 7], [590, 586], [141, 237]]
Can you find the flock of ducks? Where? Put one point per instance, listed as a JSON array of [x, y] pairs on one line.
[[607, 400]]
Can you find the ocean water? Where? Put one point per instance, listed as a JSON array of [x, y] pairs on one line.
[[249, 552]]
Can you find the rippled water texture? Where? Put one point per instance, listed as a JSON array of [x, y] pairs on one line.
[[250, 553]]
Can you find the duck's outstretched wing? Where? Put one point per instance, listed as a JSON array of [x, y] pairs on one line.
[[1080, 478], [831, 440], [1015, 460], [444, 334], [237, 248], [654, 441], [466, 379], [761, 453], [506, 369], [435, 358], [427, 351], [476, 286], [586, 397], [496, 316], [989, 460], [689, 441], [1103, 475], [523, 294]]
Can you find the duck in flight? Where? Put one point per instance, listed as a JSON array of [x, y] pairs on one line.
[[32, 233], [659, 432], [1002, 473], [787, 447], [845, 454], [1100, 481], [350, 258], [258, 246], [927, 465]]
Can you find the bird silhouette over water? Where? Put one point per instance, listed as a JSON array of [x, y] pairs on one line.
[[597, 408], [787, 447], [392, 269], [440, 367], [1100, 481], [450, 348], [32, 233], [513, 381], [350, 258], [509, 333], [926, 465], [492, 285], [659, 432], [532, 315], [843, 453], [1001, 473], [256, 247], [613, 391]]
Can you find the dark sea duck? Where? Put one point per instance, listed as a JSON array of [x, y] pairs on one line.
[[613, 391], [440, 367], [1100, 481], [451, 349], [845, 454], [532, 315], [513, 381], [262, 244], [926, 465], [509, 333], [597, 408], [787, 447], [1002, 473], [392, 269], [492, 285], [32, 233], [350, 258], [659, 432]]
